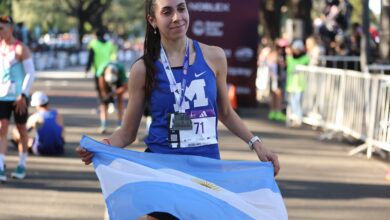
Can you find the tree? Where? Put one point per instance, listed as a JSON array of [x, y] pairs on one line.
[[6, 7], [298, 12], [120, 16], [125, 17], [270, 12]]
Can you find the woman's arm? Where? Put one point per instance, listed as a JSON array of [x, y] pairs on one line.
[[23, 54], [216, 59], [133, 114]]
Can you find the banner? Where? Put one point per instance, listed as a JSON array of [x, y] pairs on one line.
[[188, 187], [232, 25]]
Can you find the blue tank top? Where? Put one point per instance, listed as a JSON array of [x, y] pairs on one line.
[[201, 95], [49, 136]]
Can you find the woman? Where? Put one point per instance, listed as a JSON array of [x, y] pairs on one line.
[[184, 83]]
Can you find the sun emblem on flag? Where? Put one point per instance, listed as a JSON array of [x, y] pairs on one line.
[[206, 184]]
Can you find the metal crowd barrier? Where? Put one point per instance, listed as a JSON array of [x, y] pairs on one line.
[[341, 62], [61, 59], [321, 97], [349, 102], [379, 68]]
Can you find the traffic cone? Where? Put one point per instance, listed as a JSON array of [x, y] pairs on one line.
[[232, 94]]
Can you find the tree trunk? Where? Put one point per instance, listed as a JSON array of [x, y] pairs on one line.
[[384, 46], [272, 15], [81, 33], [299, 11]]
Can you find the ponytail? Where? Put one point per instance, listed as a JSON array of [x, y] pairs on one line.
[[152, 48]]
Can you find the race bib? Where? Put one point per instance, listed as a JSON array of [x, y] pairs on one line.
[[7, 88], [203, 130]]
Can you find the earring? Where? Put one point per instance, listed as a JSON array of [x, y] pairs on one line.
[[155, 31]]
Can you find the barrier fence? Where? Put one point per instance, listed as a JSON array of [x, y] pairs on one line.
[[61, 59], [341, 62], [349, 102]]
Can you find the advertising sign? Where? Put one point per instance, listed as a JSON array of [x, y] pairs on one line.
[[232, 25]]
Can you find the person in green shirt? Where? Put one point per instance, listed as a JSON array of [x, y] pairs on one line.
[[112, 84], [295, 84], [101, 52]]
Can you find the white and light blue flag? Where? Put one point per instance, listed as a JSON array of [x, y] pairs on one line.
[[188, 187]]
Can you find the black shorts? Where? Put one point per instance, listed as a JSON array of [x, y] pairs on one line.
[[8, 107]]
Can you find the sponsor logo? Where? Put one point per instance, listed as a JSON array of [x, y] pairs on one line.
[[199, 74], [218, 7], [244, 54], [208, 28], [203, 114]]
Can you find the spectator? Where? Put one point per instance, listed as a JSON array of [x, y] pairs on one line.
[[314, 51], [296, 81], [112, 84], [276, 82], [17, 74], [48, 125], [101, 52]]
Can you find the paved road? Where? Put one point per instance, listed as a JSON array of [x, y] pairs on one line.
[[318, 180]]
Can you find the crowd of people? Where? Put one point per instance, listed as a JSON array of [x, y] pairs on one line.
[[287, 85]]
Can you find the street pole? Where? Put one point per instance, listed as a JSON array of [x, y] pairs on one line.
[[365, 42], [384, 31]]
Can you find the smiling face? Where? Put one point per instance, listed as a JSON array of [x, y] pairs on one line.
[[170, 17]]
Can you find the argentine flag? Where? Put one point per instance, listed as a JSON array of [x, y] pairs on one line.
[[188, 187]]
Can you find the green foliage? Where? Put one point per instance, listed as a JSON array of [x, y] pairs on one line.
[[47, 14], [123, 16], [4, 7], [357, 13]]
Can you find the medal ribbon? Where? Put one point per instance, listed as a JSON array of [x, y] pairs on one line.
[[171, 78]]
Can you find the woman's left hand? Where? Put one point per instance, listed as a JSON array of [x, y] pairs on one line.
[[266, 155]]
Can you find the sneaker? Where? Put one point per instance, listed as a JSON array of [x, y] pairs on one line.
[[19, 173], [272, 115], [279, 116], [3, 176]]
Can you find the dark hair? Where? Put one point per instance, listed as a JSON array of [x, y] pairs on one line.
[[152, 48], [5, 19], [100, 33]]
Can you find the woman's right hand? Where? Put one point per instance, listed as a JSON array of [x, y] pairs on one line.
[[85, 155]]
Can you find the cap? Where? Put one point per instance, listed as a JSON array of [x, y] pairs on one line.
[[5, 19], [298, 45], [282, 42], [39, 98]]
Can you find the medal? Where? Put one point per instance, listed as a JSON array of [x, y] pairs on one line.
[[181, 122]]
